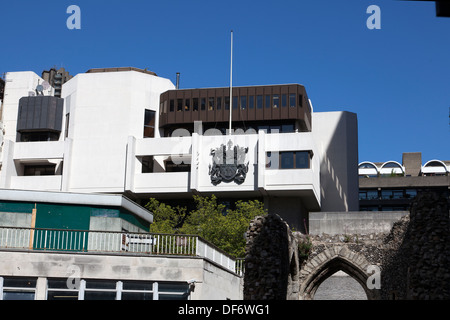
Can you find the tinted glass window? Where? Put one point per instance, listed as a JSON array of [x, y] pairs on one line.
[[259, 102], [268, 101], [276, 101], [251, 102], [203, 103], [302, 160], [287, 160], [292, 100], [243, 102], [219, 103]]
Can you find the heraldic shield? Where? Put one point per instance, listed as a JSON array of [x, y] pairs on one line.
[[228, 164]]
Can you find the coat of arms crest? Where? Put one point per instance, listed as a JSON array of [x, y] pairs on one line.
[[228, 164]]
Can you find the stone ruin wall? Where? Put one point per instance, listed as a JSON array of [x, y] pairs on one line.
[[414, 257]]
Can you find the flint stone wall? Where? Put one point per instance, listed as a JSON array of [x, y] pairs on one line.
[[414, 257]]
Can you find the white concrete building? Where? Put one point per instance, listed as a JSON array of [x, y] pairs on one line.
[[124, 133], [128, 131]]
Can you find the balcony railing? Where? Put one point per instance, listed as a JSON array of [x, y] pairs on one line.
[[116, 242]]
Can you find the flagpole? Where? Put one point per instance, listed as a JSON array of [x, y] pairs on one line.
[[231, 82]]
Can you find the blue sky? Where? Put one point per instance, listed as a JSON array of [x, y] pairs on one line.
[[397, 78]]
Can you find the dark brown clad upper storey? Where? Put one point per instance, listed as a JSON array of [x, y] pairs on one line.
[[255, 103], [40, 113]]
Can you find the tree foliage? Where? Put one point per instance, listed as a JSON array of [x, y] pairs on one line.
[[210, 219]]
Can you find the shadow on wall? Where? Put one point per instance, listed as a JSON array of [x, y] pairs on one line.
[[339, 160]]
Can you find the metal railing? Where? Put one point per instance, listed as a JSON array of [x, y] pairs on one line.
[[116, 242]]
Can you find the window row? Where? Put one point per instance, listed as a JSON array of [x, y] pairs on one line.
[[289, 160], [242, 102], [274, 160], [387, 194], [246, 128], [22, 288]]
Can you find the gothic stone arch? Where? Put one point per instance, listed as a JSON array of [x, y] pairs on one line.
[[320, 267]]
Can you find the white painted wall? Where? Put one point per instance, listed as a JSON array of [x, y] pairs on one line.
[[105, 109], [336, 138], [17, 85]]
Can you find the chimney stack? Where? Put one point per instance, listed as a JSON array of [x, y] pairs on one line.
[[412, 161]]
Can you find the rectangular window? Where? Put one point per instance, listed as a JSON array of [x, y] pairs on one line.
[[283, 100], [147, 164], [18, 288], [372, 194], [195, 104], [149, 123], [179, 104], [243, 102], [235, 102], [39, 170], [227, 103], [268, 101], [66, 129], [410, 193], [219, 103], [173, 167], [202, 104], [137, 290], [368, 195], [289, 160], [173, 291], [187, 104], [100, 290], [302, 160], [292, 100], [392, 194], [300, 100], [275, 101], [171, 105], [251, 102], [386, 194], [264, 128], [57, 290], [287, 128], [211, 103], [259, 102], [91, 289], [39, 136]]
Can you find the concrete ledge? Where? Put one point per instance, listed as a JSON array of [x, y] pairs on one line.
[[361, 222]]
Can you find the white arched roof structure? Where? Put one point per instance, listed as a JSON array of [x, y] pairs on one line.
[[435, 167], [390, 167], [367, 168]]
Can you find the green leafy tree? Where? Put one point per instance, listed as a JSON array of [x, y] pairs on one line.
[[210, 220], [166, 219]]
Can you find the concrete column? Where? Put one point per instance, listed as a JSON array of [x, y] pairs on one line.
[[412, 161], [130, 164], [41, 288], [8, 167], [65, 179]]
